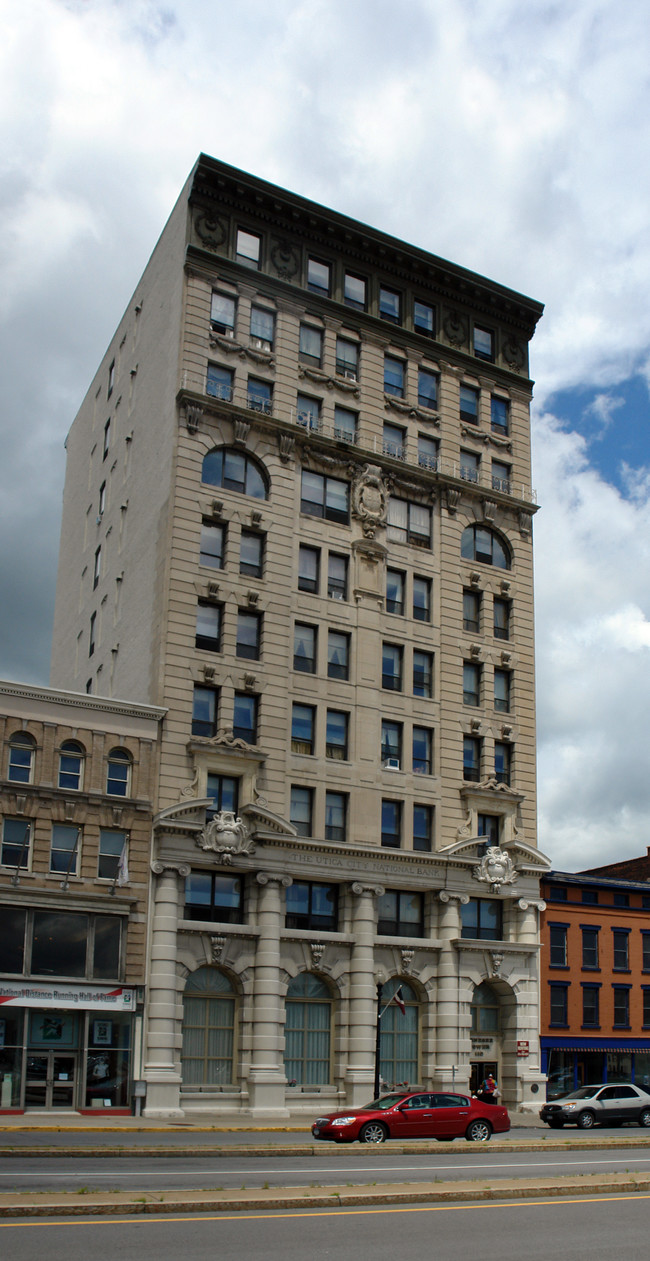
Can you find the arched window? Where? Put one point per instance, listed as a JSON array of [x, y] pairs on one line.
[[21, 757], [399, 1034], [485, 1010], [118, 775], [307, 1031], [233, 470], [71, 765], [479, 543], [207, 1056]]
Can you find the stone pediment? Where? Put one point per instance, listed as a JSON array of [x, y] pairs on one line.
[[261, 819]]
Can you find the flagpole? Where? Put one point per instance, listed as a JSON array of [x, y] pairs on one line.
[[378, 1037]]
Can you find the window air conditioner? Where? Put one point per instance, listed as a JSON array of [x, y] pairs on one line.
[[350, 373], [391, 764], [258, 343]]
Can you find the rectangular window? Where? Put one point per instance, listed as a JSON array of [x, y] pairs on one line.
[[427, 389], [422, 674], [483, 343], [558, 946], [489, 826], [499, 415], [311, 905], [326, 497], [424, 319], [64, 850], [621, 899], [76, 945], [354, 292], [249, 248], [501, 476], [391, 744], [12, 940], [469, 404], [391, 824], [303, 727], [394, 376], [212, 545], [208, 626], [390, 305], [308, 568], [107, 439], [391, 667], [422, 827], [319, 277], [589, 947], [502, 688], [621, 1007], [394, 591], [336, 735], [502, 761], [251, 554], [590, 1012], [472, 612], [347, 358], [112, 845], [260, 396], [308, 412], [304, 648], [408, 523], [249, 635], [394, 441], [214, 897], [645, 947], [91, 634], [621, 940], [204, 711], [472, 758], [558, 894], [335, 816], [646, 1007], [338, 655], [422, 751], [481, 919], [16, 840], [219, 382], [310, 346], [345, 424], [469, 466], [559, 1005], [244, 717], [400, 914], [471, 684], [222, 314], [501, 618], [223, 791], [301, 810], [590, 897], [337, 576], [262, 328], [428, 452]]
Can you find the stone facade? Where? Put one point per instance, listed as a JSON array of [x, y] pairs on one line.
[[303, 475]]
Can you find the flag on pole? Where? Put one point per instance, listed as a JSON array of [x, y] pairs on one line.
[[122, 876], [398, 998]]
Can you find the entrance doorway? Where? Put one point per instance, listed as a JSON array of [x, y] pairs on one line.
[[50, 1080], [479, 1070]]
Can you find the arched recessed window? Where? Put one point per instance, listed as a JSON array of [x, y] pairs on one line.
[[207, 1056], [485, 1010], [233, 470], [118, 775], [479, 543], [308, 1031], [71, 765], [21, 758], [399, 1034]]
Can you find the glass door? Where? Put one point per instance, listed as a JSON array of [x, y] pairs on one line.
[[50, 1080]]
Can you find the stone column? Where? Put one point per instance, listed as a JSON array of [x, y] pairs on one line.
[[360, 1074], [162, 1069], [267, 1078], [449, 1073], [527, 1069]]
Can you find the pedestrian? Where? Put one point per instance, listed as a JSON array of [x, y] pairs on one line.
[[489, 1090]]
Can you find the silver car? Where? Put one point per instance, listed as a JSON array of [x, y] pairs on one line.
[[599, 1105]]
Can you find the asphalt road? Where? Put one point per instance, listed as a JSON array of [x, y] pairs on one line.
[[582, 1229], [355, 1166]]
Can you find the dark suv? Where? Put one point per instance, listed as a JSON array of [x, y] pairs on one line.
[[599, 1105]]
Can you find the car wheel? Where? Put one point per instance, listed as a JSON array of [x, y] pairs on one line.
[[644, 1117], [373, 1132], [586, 1120], [478, 1132], [556, 1125]]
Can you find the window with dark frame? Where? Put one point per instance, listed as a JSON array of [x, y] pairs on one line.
[[589, 947], [468, 398], [559, 1003], [354, 291], [502, 690], [483, 343], [336, 735], [394, 376], [590, 1007], [338, 654], [251, 554], [501, 618], [326, 497], [222, 313], [481, 918], [472, 758], [208, 626], [428, 452], [558, 957], [347, 358], [245, 717], [391, 824], [645, 951], [65, 849], [303, 728], [489, 826], [214, 897], [621, 947], [113, 846], [16, 844], [301, 809], [408, 522], [395, 582], [259, 396], [262, 328], [392, 667], [472, 612], [305, 641], [308, 412], [478, 543], [422, 751], [319, 277], [422, 827], [249, 635], [424, 319], [337, 576], [336, 805], [212, 546], [308, 568], [219, 382], [394, 440], [204, 711], [248, 249], [312, 905], [390, 305], [427, 389], [345, 424], [471, 684], [310, 345], [231, 469], [502, 761], [621, 1006], [391, 743], [400, 914], [499, 415], [422, 673], [223, 791]]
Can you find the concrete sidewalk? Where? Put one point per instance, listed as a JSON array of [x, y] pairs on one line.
[[61, 1122]]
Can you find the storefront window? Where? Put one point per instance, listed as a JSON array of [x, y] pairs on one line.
[[107, 1063], [59, 944], [619, 1066], [12, 939], [11, 1054]]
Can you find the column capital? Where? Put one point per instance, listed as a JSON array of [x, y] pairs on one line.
[[362, 890], [445, 897], [159, 867], [526, 904], [272, 877]]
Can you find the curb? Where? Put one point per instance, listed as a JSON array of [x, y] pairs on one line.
[[331, 1150]]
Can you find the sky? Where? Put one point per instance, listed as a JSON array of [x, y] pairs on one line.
[[510, 138]]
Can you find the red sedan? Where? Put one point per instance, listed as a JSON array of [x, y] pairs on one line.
[[440, 1116]]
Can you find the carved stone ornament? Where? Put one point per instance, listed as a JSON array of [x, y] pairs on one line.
[[496, 868], [514, 354], [489, 510], [287, 446], [226, 835], [453, 499], [211, 229], [407, 959], [216, 948], [241, 430], [495, 963], [193, 417], [317, 949], [525, 524], [370, 499], [455, 327], [285, 259]]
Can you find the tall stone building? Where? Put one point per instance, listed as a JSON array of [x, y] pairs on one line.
[[298, 516]]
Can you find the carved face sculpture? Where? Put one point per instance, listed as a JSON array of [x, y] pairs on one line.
[[497, 862]]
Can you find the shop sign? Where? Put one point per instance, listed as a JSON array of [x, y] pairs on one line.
[[81, 997], [523, 1049], [482, 1046]]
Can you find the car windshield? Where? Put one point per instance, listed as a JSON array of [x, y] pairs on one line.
[[587, 1092], [384, 1101]]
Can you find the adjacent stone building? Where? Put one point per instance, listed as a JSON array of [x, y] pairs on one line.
[[298, 516]]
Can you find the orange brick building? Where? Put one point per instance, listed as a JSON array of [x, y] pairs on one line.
[[595, 976]]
